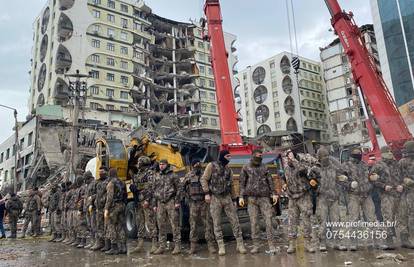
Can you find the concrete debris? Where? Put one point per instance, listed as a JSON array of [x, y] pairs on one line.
[[391, 256]]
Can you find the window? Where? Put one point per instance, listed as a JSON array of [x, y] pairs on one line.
[[124, 109], [202, 69], [202, 83], [96, 13], [110, 107], [200, 44], [124, 65], [94, 105], [205, 121], [203, 107], [21, 143], [7, 153], [213, 122], [275, 94], [272, 65], [111, 4], [1, 157], [96, 29], [124, 50], [278, 125], [124, 23], [201, 57], [212, 96], [29, 139], [110, 77], [203, 94], [124, 36], [211, 83], [210, 71], [110, 92], [124, 95], [96, 43], [111, 18], [124, 79], [95, 74], [95, 58], [110, 47], [96, 2], [110, 61], [94, 90], [111, 33], [274, 84], [213, 108], [124, 8]]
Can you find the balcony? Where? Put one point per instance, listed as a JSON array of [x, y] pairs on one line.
[[66, 4], [65, 28], [61, 91], [45, 20], [43, 48], [285, 65], [287, 85], [289, 106], [291, 125], [63, 60]]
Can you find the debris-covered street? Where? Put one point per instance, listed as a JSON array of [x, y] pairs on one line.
[[39, 252]]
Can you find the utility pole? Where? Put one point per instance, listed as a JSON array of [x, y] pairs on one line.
[[78, 90]]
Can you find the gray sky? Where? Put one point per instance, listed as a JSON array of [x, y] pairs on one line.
[[260, 25]]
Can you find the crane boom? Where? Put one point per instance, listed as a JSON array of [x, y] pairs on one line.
[[366, 76]]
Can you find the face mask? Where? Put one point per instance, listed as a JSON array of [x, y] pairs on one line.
[[222, 158]]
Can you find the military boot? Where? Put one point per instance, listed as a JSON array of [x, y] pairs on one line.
[[309, 246], [341, 247], [61, 237], [221, 247], [255, 248], [123, 248], [322, 246], [76, 243], [113, 250], [107, 245], [82, 243], [193, 247], [139, 246], [67, 238], [98, 245], [160, 250], [177, 248], [53, 238], [292, 246], [240, 246], [153, 246], [211, 247], [89, 243], [388, 244], [405, 242], [272, 247]]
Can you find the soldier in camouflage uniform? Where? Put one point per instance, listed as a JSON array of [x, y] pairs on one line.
[[69, 214], [144, 214], [14, 207], [359, 191], [82, 227], [100, 207], [32, 210], [166, 200], [75, 206], [300, 202], [199, 209], [90, 209], [385, 177], [256, 183], [54, 199], [329, 192], [217, 184], [405, 217], [62, 207], [114, 214]]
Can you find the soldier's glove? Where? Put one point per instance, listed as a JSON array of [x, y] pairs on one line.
[[241, 202], [145, 205], [90, 209], [275, 199], [313, 183], [106, 214], [207, 198], [400, 188], [408, 181], [354, 184], [342, 178], [374, 177], [388, 188]]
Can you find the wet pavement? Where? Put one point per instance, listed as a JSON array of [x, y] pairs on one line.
[[39, 252]]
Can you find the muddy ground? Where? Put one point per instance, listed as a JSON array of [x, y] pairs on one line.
[[39, 252]]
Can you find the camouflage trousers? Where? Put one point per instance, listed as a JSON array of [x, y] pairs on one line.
[[405, 215], [200, 212], [116, 224], [100, 224], [389, 209], [300, 209], [38, 223], [80, 225], [91, 223], [167, 213], [31, 217], [145, 219], [55, 222], [13, 218], [63, 221], [361, 208], [262, 205], [326, 211], [218, 203], [72, 221]]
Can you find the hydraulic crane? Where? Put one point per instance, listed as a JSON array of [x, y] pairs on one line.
[[364, 71]]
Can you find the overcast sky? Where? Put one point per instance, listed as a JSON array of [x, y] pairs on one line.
[[260, 25]]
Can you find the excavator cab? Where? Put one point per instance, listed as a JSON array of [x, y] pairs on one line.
[[111, 153]]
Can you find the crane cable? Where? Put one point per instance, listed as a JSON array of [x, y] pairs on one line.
[[292, 23]]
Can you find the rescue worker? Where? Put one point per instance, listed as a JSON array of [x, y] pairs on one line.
[[32, 210], [114, 214], [14, 207], [91, 212], [329, 192], [53, 209], [256, 183], [144, 214], [102, 243], [82, 227], [300, 202], [200, 216], [166, 202], [76, 207], [386, 178], [38, 218], [217, 182], [70, 207], [405, 217], [359, 192], [62, 212]]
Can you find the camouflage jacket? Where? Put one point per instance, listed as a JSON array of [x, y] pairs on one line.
[[296, 180], [406, 169], [191, 187], [329, 186], [357, 171], [90, 194], [34, 203], [142, 181], [54, 200], [100, 199], [72, 197], [164, 187], [217, 179], [388, 173], [256, 181], [14, 205], [81, 195], [115, 193], [62, 201]]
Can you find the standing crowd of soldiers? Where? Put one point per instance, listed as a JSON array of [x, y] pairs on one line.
[[90, 213]]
